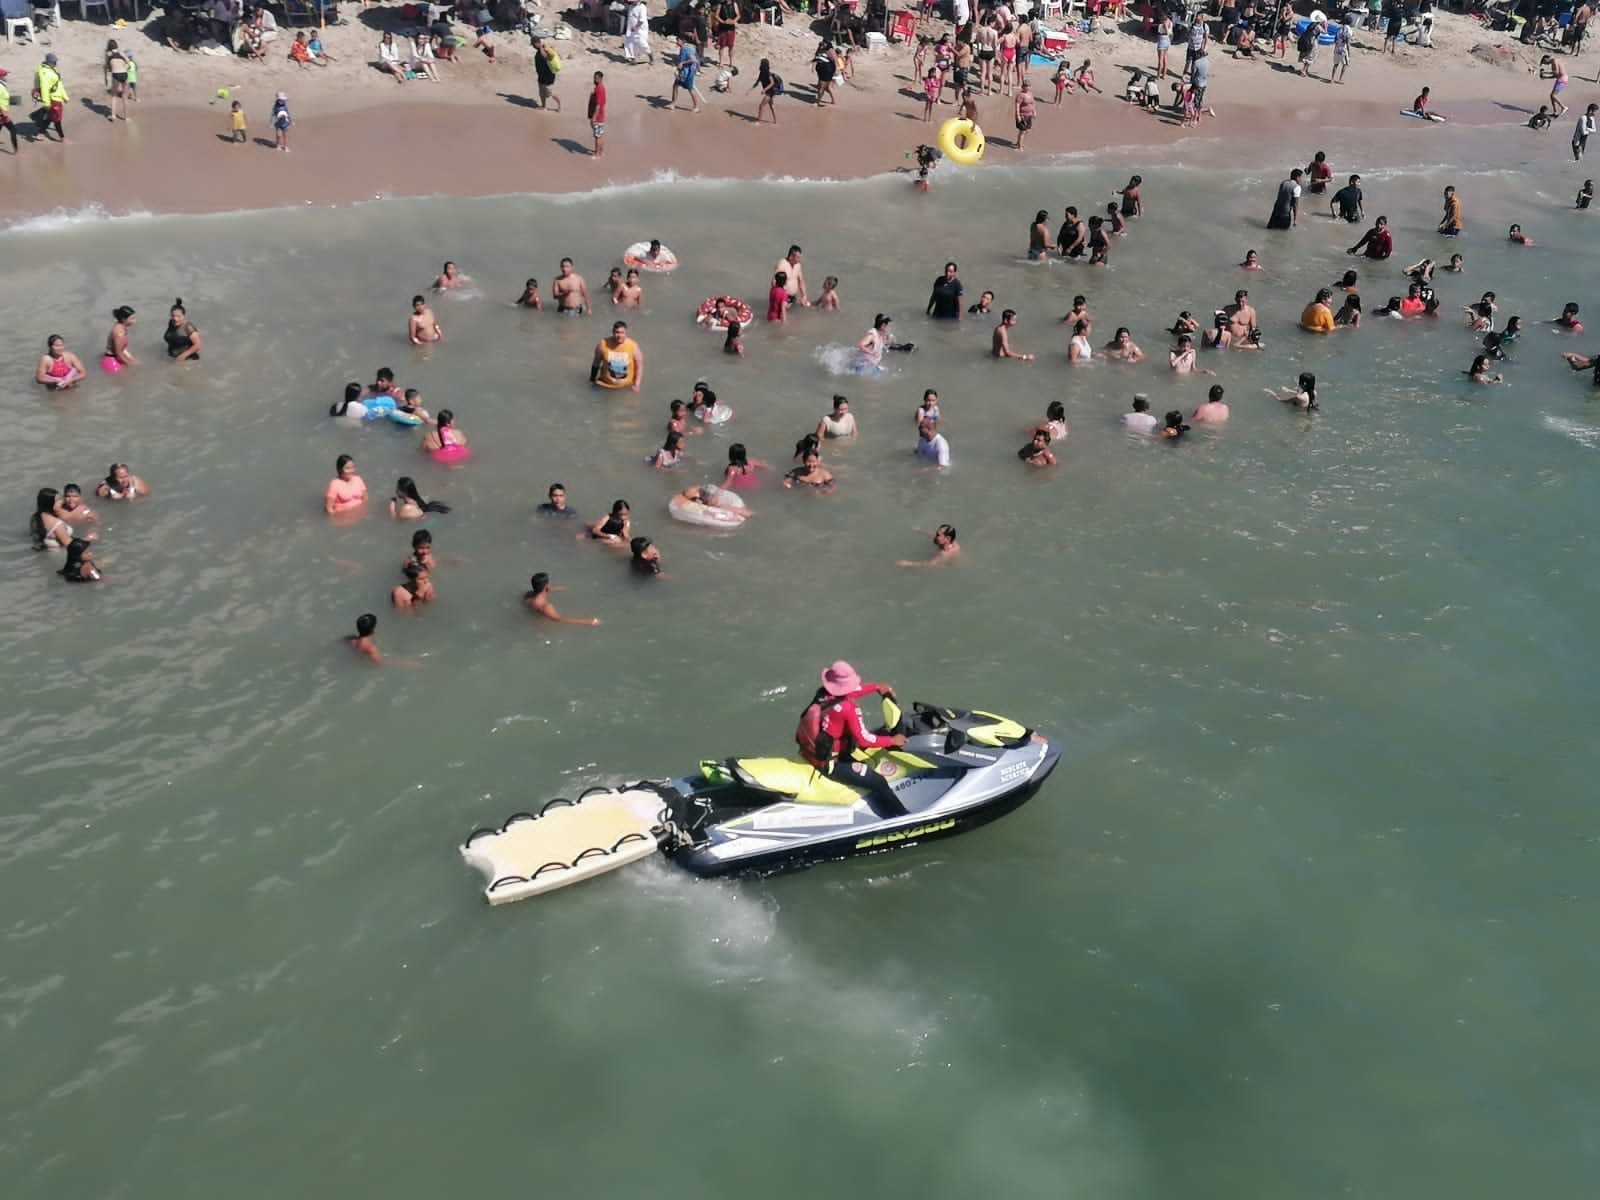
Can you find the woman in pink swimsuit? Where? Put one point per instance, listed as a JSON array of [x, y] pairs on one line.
[[347, 491], [445, 442], [58, 368], [117, 354]]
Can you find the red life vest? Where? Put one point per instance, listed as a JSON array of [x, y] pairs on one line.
[[817, 745], [824, 730]]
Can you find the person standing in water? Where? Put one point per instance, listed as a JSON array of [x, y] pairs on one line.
[[1580, 135], [1000, 347], [618, 361], [423, 325], [570, 291], [1450, 221], [181, 337], [537, 600], [1286, 208], [362, 643]]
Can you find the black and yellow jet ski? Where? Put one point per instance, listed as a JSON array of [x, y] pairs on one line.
[[957, 770]]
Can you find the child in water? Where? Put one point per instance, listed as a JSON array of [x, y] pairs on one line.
[[829, 300], [733, 343], [1586, 193]]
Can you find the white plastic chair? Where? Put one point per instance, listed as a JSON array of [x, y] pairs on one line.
[[1051, 8], [18, 16], [88, 4]]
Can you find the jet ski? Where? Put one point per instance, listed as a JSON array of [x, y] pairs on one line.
[[957, 770]]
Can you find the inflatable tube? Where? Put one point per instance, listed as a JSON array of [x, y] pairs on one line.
[[961, 141], [1421, 116], [713, 312], [110, 365], [638, 255], [452, 454], [692, 512], [717, 414], [1324, 38], [403, 418], [376, 406]]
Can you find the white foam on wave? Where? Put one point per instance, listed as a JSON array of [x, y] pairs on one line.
[[1584, 433], [72, 218], [836, 358]]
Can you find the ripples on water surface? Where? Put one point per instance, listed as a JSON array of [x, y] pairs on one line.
[[1303, 912]]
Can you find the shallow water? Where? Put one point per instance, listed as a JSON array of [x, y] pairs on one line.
[[1304, 911]]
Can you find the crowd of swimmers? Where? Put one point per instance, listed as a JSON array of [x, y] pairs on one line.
[[62, 520]]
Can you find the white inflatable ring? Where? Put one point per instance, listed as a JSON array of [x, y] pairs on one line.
[[712, 516], [969, 149], [711, 308], [638, 255]]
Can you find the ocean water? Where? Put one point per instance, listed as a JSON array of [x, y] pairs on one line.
[[1306, 910]]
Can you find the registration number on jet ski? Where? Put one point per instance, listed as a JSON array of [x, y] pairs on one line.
[[901, 835]]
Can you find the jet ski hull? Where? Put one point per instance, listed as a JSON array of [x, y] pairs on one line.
[[915, 830], [957, 770]]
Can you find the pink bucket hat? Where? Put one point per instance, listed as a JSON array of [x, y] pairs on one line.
[[841, 679]]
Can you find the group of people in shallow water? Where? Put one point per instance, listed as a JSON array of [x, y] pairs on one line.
[[61, 519], [61, 370], [618, 363]]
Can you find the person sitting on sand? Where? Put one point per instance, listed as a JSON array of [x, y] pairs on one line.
[[390, 59]]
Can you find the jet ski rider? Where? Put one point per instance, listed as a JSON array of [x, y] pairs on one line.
[[832, 727]]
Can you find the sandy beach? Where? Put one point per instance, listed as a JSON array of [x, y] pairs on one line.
[[357, 135]]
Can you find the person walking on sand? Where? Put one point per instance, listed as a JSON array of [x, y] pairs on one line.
[[6, 123], [597, 114], [636, 33], [236, 124], [1580, 135], [685, 68], [771, 85], [1341, 53], [51, 94], [1024, 111], [544, 71], [116, 73], [281, 120], [1552, 68]]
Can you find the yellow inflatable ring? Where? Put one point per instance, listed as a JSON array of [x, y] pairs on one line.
[[961, 141]]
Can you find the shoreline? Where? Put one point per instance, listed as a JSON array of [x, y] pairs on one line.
[[365, 144]]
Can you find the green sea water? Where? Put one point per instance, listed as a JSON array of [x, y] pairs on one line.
[[1306, 910]]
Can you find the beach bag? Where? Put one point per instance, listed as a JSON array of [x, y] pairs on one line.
[[554, 60], [1307, 40]]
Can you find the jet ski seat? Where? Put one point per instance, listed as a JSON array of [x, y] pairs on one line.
[[792, 777]]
